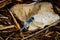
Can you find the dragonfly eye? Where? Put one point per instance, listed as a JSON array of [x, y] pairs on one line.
[[30, 20]]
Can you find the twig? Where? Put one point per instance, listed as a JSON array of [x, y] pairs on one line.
[[58, 33], [15, 38], [42, 29], [2, 28], [1, 38], [3, 17], [47, 34], [47, 31], [9, 36], [16, 23]]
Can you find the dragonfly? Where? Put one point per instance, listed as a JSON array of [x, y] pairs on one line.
[[27, 23]]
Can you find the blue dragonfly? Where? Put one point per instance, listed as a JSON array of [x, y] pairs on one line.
[[27, 23]]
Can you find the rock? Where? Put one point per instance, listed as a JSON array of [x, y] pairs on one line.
[[44, 16]]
